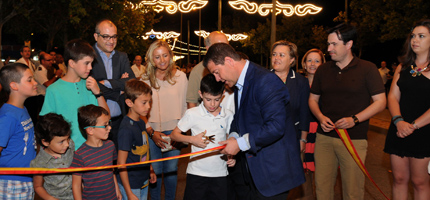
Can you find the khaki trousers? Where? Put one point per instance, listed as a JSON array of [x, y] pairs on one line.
[[331, 153]]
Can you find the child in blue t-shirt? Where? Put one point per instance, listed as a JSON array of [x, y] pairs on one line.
[[75, 89], [133, 145], [17, 145]]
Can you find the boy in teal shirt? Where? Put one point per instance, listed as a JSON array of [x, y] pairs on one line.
[[75, 89]]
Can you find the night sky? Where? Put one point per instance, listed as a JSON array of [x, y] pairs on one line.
[[388, 51]]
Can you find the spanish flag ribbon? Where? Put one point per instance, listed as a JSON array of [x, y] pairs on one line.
[[344, 136], [27, 170]]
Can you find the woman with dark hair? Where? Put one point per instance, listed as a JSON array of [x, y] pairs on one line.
[[284, 58], [169, 89], [408, 137]]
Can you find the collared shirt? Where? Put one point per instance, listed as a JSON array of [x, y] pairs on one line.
[[240, 82], [57, 185], [198, 119], [30, 63], [114, 108], [243, 141]]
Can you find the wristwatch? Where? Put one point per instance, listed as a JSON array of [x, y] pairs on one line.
[[356, 121], [98, 95]]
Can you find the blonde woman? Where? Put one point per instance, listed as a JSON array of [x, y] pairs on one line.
[[169, 89]]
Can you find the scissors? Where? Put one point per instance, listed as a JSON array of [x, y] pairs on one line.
[[210, 138]]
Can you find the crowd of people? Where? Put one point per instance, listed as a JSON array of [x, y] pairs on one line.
[[93, 109]]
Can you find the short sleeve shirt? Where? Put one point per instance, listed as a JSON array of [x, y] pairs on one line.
[[64, 98], [98, 184], [198, 119], [17, 140], [57, 185], [346, 92], [134, 139]]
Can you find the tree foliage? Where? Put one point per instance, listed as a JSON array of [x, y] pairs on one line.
[[10, 9], [63, 20]]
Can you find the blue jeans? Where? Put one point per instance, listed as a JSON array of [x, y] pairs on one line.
[[141, 193], [168, 168]]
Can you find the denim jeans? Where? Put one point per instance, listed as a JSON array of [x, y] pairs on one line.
[[142, 193], [168, 168]]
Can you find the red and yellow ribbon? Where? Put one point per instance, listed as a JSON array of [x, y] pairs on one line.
[[27, 170], [344, 136]]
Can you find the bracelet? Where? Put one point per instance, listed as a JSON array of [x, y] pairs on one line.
[[151, 134], [304, 140], [398, 119], [415, 126]]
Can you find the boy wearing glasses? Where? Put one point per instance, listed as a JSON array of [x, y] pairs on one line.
[[75, 89], [97, 151], [53, 135]]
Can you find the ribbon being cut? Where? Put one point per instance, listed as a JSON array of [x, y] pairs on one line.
[[27, 170], [343, 134]]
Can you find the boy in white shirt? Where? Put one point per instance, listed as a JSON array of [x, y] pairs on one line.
[[209, 124]]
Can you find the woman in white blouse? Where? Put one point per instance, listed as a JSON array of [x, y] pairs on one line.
[[169, 89]]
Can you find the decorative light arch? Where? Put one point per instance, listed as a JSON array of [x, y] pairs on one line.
[[172, 7], [234, 37], [264, 9], [160, 35]]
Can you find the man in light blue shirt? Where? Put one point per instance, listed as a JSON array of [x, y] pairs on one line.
[[111, 69], [262, 134]]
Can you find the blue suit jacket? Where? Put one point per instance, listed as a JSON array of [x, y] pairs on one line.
[[274, 157]]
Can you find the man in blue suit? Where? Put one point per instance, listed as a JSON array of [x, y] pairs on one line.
[[262, 132]]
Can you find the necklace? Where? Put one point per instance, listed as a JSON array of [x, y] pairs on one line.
[[417, 72]]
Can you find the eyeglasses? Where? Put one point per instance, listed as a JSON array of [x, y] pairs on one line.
[[105, 126], [108, 37]]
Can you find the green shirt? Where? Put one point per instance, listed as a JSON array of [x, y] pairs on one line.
[[64, 98]]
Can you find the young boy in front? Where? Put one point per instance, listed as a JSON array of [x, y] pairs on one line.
[[94, 122], [17, 145], [133, 145], [75, 89], [53, 135], [209, 124]]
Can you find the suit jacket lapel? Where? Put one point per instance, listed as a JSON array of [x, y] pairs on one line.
[[99, 66], [116, 71]]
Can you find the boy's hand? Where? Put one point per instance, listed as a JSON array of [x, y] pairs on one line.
[[132, 197], [125, 75], [158, 140], [231, 161], [59, 72], [91, 84], [118, 194], [198, 140], [152, 177]]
